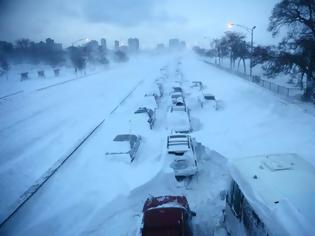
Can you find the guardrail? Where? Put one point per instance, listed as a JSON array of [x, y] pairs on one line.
[[279, 89]]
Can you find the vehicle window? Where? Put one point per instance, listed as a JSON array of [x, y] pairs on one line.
[[229, 197], [237, 199], [251, 221]]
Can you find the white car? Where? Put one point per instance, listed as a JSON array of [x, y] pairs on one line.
[[208, 98], [124, 147], [181, 149], [150, 101], [148, 115], [198, 85], [179, 106], [177, 96], [155, 90], [177, 89], [178, 120]]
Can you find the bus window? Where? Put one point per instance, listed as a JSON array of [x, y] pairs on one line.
[[252, 223], [237, 200]]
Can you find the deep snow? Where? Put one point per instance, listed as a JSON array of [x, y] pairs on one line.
[[91, 195]]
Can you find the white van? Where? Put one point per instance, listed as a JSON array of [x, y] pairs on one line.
[[271, 195]]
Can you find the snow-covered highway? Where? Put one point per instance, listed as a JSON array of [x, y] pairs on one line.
[[92, 195], [39, 128]]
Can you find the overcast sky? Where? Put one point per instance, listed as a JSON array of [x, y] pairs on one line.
[[152, 21]]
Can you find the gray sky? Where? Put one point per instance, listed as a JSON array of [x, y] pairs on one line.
[[152, 21]]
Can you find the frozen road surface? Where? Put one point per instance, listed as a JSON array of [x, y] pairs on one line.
[[92, 195]]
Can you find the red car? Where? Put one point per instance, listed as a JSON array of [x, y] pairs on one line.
[[167, 216]]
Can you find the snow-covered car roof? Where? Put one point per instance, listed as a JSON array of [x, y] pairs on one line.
[[179, 106], [122, 143], [179, 121], [176, 94], [167, 201], [197, 84], [178, 143], [281, 189], [153, 90], [149, 102]]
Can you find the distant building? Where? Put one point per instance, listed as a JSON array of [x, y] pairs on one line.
[[93, 45], [103, 45], [116, 45], [160, 47], [133, 44], [174, 44], [50, 43], [58, 46], [182, 44], [40, 45], [123, 48]]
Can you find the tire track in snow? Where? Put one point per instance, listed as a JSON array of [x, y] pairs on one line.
[[27, 195]]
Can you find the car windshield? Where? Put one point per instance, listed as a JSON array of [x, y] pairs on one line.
[[164, 220], [180, 164]]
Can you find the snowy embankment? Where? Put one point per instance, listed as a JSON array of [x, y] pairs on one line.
[[287, 81], [92, 195], [254, 120]]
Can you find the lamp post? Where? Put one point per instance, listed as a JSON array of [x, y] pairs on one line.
[[251, 31]]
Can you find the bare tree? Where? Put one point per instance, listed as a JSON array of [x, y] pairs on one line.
[[297, 49]]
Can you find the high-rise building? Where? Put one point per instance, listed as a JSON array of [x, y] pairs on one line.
[[182, 44], [160, 46], [93, 45], [116, 45], [174, 43], [50, 43], [103, 44], [133, 44]]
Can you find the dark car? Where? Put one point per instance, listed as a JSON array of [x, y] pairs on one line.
[[167, 216]]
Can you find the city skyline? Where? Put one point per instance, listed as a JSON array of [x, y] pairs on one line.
[[152, 22]]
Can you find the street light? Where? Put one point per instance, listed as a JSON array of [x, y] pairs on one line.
[[251, 31]]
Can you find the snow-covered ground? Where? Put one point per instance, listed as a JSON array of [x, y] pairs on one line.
[[281, 79], [38, 128], [11, 83], [92, 195]]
